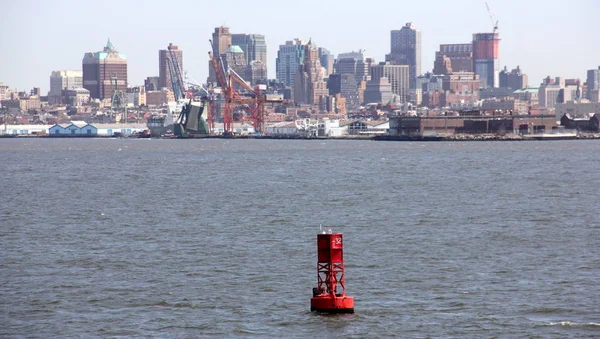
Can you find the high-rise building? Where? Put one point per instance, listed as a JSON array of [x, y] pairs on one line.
[[254, 48], [235, 59], [406, 50], [441, 66], [593, 83], [289, 57], [346, 68], [164, 75], [354, 70], [309, 84], [327, 59], [62, 80], [460, 55], [221, 40], [253, 67], [253, 45], [104, 72], [378, 91], [334, 84], [485, 58], [397, 75], [514, 79]]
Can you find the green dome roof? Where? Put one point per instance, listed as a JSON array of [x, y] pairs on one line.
[[234, 49]]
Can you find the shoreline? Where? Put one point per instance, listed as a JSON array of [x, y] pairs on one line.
[[456, 137]]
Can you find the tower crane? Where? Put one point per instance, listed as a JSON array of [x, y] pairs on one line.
[[492, 17]]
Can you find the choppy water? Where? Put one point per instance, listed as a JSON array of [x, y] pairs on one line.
[[200, 238]]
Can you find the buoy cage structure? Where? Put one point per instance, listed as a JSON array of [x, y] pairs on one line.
[[330, 294]]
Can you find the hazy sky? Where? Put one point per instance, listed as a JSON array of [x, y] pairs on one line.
[[544, 37]]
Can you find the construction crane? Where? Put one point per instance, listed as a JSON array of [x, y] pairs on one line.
[[492, 17]]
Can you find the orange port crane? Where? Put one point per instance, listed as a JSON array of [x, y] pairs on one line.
[[226, 91], [252, 100]]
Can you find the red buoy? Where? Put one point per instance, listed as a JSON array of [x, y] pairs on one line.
[[330, 294]]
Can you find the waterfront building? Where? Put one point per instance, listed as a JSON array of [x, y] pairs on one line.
[[63, 80], [397, 75], [164, 75], [289, 57], [593, 84], [577, 109], [514, 79], [406, 50], [486, 51], [104, 72]]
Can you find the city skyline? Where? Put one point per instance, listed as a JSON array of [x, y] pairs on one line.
[[38, 44]]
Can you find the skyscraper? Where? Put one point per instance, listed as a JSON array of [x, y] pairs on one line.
[[253, 45], [593, 83], [104, 72], [406, 50], [164, 76], [460, 55], [327, 60], [309, 84], [398, 76], [289, 57], [485, 58], [255, 52], [62, 80], [346, 68], [221, 40]]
